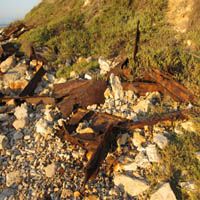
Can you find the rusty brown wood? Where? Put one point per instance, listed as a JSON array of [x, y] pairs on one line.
[[150, 121], [100, 154], [14, 30], [30, 88], [106, 127], [89, 93], [32, 100], [177, 91], [65, 89], [141, 88]]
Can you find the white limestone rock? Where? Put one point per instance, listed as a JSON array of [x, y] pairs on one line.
[[189, 126], [138, 139], [163, 193], [152, 153], [3, 142], [41, 126], [50, 170], [87, 77], [142, 106], [19, 124], [13, 177], [142, 160], [132, 186], [105, 65], [130, 166], [160, 140], [116, 87], [7, 64], [21, 112]]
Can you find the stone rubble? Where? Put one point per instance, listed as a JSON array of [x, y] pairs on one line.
[[35, 164]]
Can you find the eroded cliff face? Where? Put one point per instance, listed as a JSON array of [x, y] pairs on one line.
[[179, 14]]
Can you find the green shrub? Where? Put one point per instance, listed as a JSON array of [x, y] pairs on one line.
[[80, 68]]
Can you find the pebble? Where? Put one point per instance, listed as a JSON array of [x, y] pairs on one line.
[[21, 112], [3, 117], [13, 177], [3, 142], [18, 136], [77, 194], [138, 139], [19, 124], [66, 193], [42, 127], [50, 170]]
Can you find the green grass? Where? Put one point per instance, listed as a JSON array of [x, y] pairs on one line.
[[80, 69], [179, 164], [108, 29]]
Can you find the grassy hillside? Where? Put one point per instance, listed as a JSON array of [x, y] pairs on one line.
[[108, 28]]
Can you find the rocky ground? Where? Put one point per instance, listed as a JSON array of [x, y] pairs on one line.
[[35, 164]]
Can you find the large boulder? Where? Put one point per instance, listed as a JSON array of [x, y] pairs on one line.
[[163, 193], [133, 186], [7, 64]]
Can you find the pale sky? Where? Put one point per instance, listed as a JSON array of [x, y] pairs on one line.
[[15, 9]]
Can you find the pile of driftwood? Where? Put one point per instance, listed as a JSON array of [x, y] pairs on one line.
[[74, 96], [13, 31]]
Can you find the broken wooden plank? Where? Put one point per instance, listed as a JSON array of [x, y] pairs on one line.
[[106, 127], [65, 89], [30, 88], [153, 120], [13, 30], [141, 88], [177, 91], [32, 100], [90, 92], [99, 155]]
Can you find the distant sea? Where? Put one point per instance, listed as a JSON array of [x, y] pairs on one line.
[[3, 25]]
